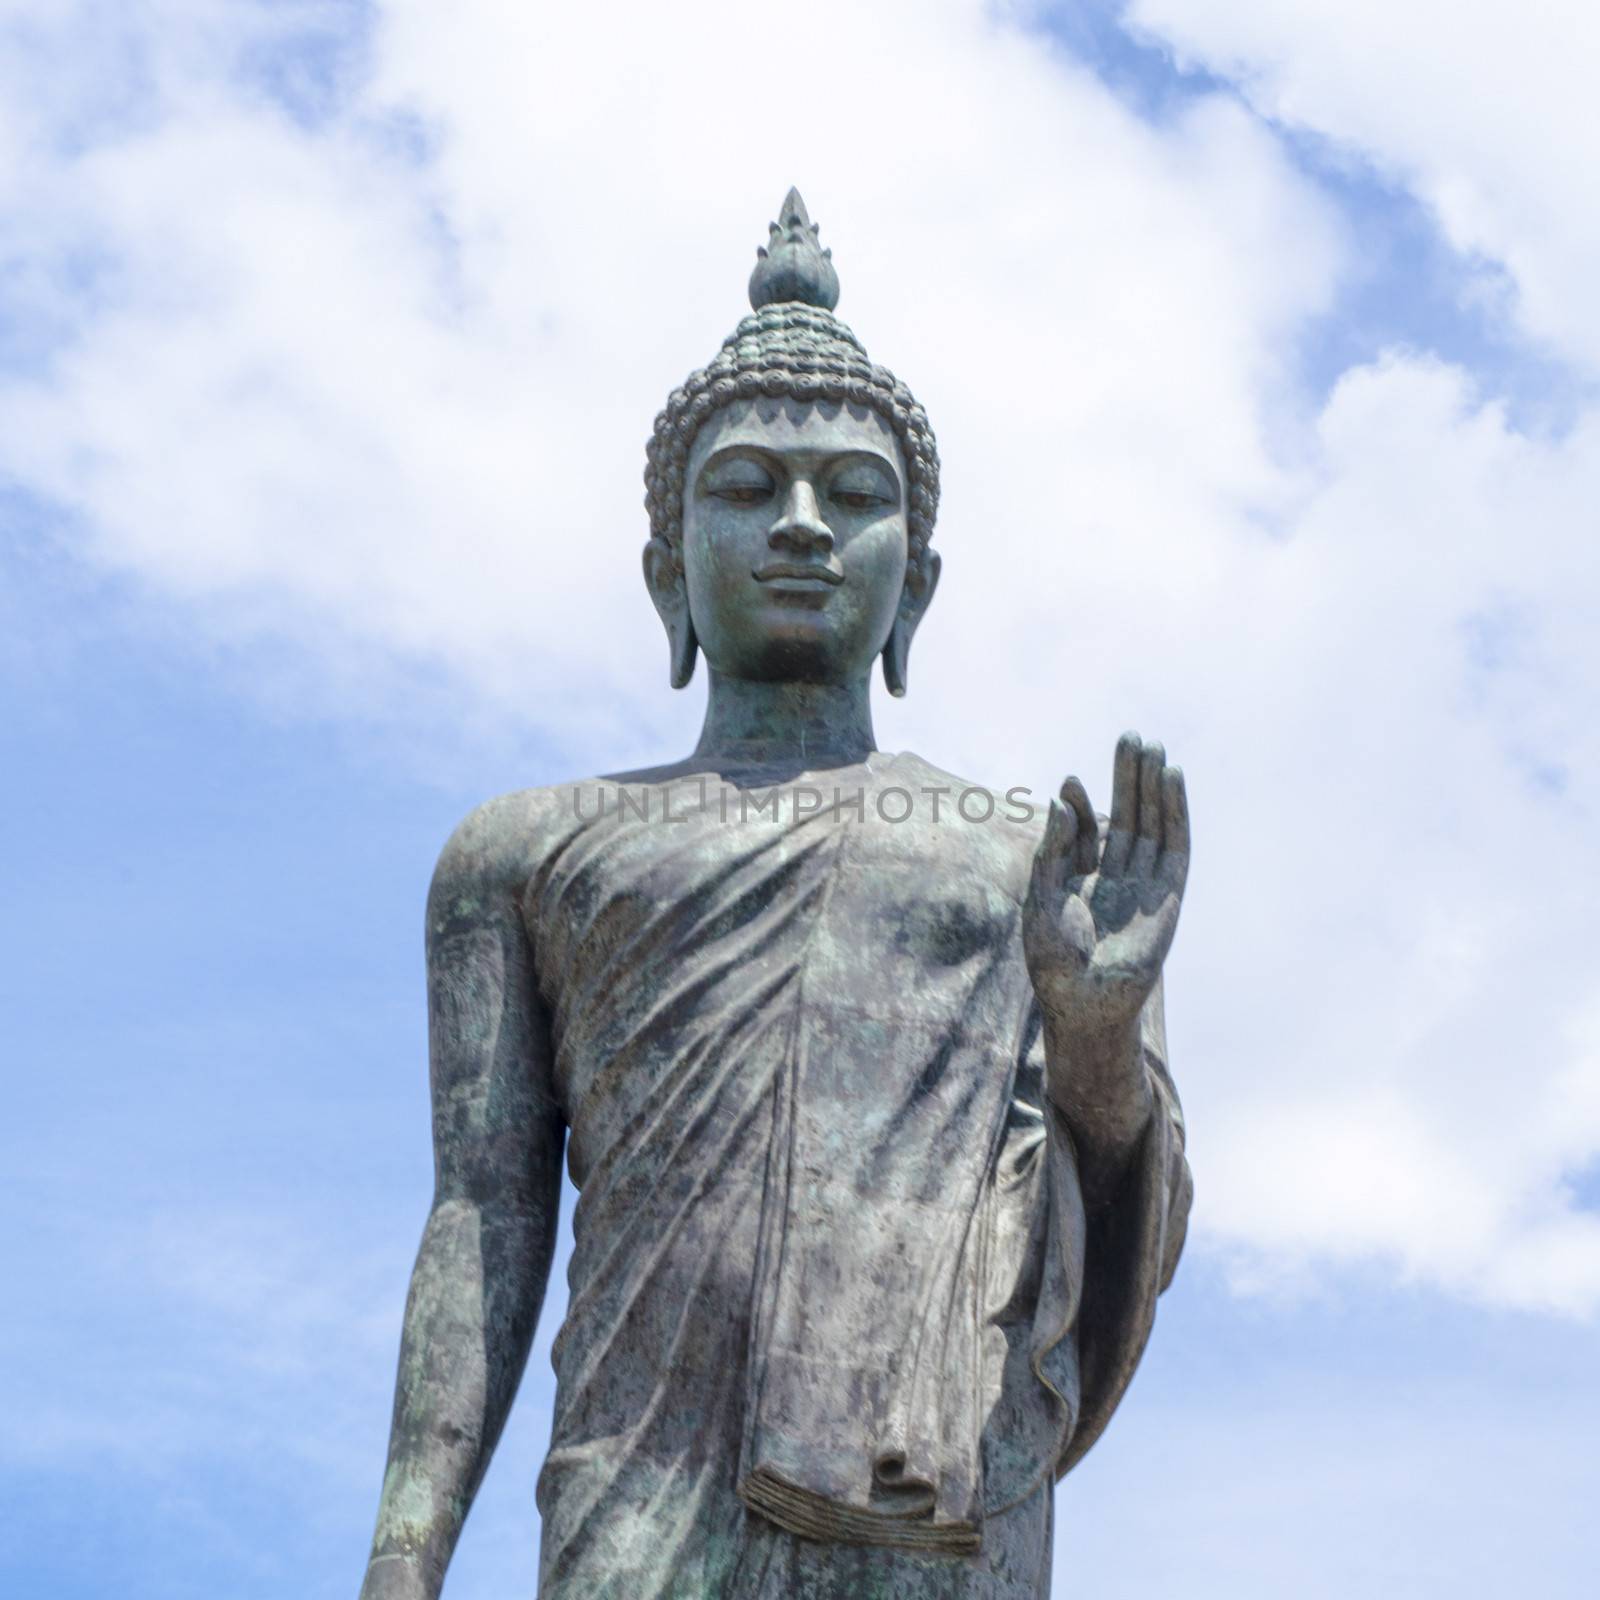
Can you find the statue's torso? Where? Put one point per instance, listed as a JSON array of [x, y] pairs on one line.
[[792, 1054]]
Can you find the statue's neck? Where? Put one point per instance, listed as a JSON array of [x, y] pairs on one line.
[[814, 724]]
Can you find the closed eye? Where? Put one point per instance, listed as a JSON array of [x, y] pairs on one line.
[[859, 499], [742, 494], [863, 485]]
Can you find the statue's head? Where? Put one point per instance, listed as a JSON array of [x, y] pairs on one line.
[[792, 489]]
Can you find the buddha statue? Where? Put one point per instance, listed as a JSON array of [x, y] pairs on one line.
[[859, 1069]]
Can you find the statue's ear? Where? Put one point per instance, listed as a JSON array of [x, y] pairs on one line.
[[670, 596], [922, 578]]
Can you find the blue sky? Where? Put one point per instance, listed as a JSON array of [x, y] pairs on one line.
[[322, 388]]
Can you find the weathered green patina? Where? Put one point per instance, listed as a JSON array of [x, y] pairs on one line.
[[860, 1070]]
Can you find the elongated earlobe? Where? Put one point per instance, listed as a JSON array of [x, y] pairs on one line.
[[922, 578], [671, 599], [684, 650], [895, 655]]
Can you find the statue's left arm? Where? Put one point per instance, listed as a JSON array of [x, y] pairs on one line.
[[1100, 915]]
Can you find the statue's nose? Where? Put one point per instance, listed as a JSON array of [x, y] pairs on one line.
[[800, 524]]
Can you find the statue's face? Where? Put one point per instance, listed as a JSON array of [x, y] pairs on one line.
[[794, 539]]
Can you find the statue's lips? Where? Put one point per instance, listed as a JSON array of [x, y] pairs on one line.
[[805, 574]]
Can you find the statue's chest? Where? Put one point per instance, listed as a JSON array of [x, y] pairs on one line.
[[877, 906]]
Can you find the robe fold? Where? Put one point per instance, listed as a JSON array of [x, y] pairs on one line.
[[837, 1319]]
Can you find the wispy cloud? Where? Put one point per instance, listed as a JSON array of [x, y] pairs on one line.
[[1483, 111]]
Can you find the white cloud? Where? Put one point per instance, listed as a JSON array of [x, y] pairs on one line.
[[1485, 110], [377, 384]]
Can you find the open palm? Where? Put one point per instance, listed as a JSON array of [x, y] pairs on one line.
[[1102, 908]]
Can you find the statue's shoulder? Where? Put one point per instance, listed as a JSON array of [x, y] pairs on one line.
[[502, 842], [507, 839]]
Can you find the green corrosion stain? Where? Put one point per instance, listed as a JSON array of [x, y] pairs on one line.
[[408, 1516]]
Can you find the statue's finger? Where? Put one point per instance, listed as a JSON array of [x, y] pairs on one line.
[[1147, 846], [1175, 810], [1151, 765], [1172, 872], [1086, 852], [1125, 784], [1055, 849], [1124, 806]]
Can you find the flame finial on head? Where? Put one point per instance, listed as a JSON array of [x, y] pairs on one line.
[[792, 265]]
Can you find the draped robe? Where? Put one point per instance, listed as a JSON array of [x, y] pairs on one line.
[[837, 1318]]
